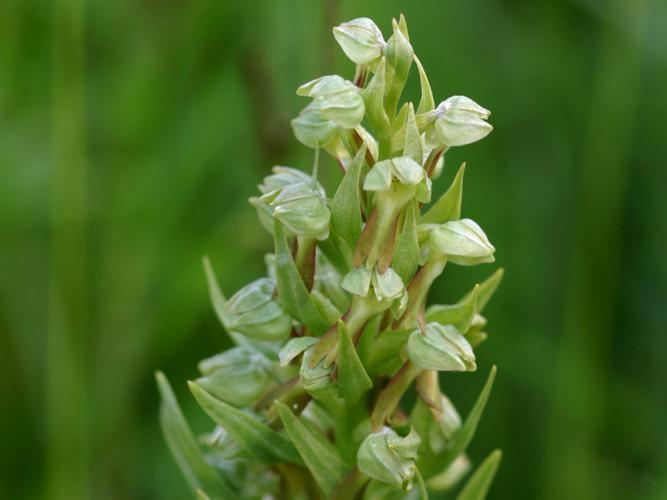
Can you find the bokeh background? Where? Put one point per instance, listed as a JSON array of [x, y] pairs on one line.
[[133, 132]]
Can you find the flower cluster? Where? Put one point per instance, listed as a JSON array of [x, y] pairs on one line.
[[309, 402]]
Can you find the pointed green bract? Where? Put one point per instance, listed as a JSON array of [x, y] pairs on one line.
[[487, 289], [295, 347], [346, 203], [375, 110], [412, 147], [406, 253], [292, 291], [184, 446], [479, 483], [426, 103], [465, 434], [327, 469], [353, 381], [252, 435], [399, 55], [460, 315], [448, 206]]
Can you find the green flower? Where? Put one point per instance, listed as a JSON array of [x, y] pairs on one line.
[[440, 347], [388, 457], [253, 311]]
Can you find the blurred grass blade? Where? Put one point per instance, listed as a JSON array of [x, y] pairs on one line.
[[184, 447], [478, 485], [295, 347], [448, 206], [327, 468], [460, 315], [346, 203], [406, 252], [215, 293], [292, 291], [353, 381], [252, 435]]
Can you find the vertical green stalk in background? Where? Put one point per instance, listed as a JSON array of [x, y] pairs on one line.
[[582, 373], [66, 398]]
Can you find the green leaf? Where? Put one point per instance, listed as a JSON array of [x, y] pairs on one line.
[[487, 289], [478, 485], [201, 495], [215, 293], [184, 446], [465, 433], [252, 435], [295, 347], [353, 380], [346, 203], [426, 103], [406, 251], [326, 467], [413, 142], [292, 291], [448, 206], [460, 315]]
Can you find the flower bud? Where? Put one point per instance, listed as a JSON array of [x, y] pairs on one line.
[[360, 39], [254, 312], [403, 169], [302, 210], [317, 380], [460, 121], [462, 241], [339, 100], [440, 347], [286, 176], [388, 457], [312, 128], [236, 376]]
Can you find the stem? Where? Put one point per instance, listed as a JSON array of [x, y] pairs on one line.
[[418, 290], [391, 395], [360, 311], [350, 486]]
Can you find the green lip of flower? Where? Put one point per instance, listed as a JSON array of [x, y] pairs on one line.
[[440, 347], [254, 312], [302, 210], [462, 241], [337, 99], [361, 40], [388, 457], [313, 128], [236, 376]]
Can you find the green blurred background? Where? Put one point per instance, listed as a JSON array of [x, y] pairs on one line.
[[133, 132]]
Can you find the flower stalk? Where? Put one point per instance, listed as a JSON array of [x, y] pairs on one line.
[[310, 400]]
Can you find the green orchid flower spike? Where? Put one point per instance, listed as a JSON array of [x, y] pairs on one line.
[[309, 402]]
